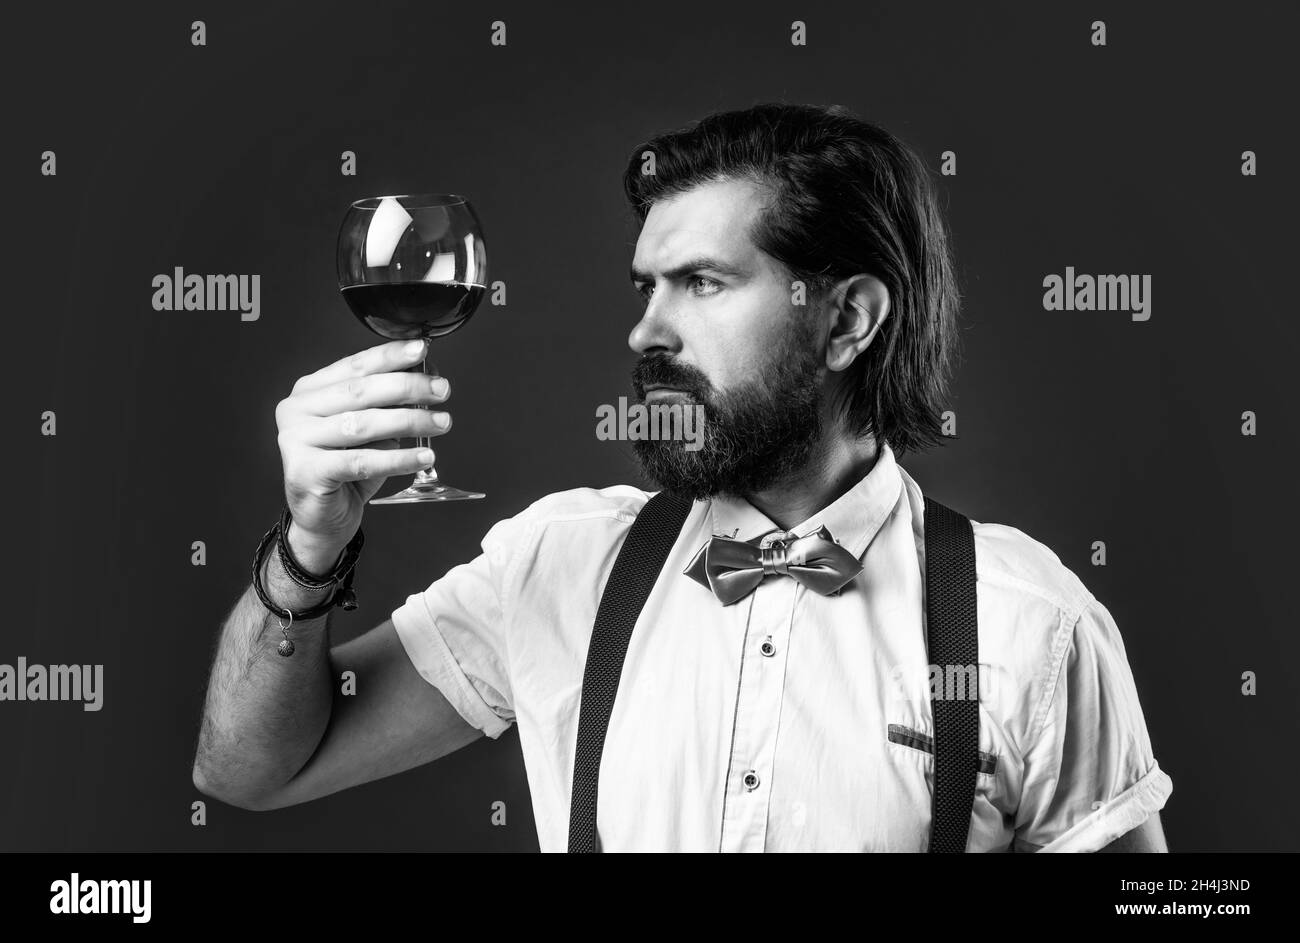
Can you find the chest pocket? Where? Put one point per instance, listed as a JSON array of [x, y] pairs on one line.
[[906, 736]]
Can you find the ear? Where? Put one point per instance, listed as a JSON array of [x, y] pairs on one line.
[[858, 307]]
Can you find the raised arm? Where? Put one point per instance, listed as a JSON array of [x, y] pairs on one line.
[[278, 730]]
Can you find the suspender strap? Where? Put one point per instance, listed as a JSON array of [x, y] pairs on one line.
[[636, 569], [952, 640]]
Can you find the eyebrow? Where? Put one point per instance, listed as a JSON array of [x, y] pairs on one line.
[[700, 264]]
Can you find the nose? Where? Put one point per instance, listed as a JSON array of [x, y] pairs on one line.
[[654, 333]]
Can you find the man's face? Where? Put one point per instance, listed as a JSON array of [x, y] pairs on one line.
[[721, 328]]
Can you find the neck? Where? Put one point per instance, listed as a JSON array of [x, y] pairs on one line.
[[839, 464]]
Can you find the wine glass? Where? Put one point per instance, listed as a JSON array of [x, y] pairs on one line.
[[414, 266]]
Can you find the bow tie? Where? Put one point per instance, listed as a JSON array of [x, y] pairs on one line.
[[732, 568]]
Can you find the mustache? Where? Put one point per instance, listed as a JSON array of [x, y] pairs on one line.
[[664, 371]]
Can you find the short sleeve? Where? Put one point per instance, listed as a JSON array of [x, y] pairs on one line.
[[1090, 776], [455, 631]]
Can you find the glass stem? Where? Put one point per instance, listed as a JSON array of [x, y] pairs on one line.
[[426, 475]]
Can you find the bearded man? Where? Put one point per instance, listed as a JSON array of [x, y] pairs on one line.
[[766, 691]]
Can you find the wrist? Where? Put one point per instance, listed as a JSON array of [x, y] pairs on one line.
[[315, 556], [285, 592]]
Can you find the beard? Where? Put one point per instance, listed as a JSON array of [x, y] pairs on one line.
[[755, 435]]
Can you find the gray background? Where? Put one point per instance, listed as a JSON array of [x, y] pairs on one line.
[[1074, 426]]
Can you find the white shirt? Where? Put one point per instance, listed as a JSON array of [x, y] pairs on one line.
[[702, 702]]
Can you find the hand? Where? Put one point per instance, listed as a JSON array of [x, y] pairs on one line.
[[328, 478]]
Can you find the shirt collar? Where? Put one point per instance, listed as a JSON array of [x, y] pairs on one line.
[[852, 519]]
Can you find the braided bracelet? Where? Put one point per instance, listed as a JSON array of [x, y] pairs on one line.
[[342, 574]]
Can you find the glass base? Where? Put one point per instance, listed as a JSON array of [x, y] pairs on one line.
[[431, 491]]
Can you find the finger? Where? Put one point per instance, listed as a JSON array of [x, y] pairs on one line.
[[373, 390], [355, 427], [382, 358], [335, 467], [369, 489]]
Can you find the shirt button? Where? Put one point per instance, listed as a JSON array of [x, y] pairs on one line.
[[750, 780], [767, 648]]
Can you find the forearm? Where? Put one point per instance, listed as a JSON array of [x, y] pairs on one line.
[[265, 714]]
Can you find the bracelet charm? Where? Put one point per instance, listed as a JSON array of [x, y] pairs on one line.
[[340, 577], [286, 646]]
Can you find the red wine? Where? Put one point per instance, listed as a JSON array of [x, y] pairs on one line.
[[409, 310]]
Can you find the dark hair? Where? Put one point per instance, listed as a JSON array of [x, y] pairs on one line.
[[849, 198]]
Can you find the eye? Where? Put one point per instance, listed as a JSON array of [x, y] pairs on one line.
[[707, 286], [645, 290]]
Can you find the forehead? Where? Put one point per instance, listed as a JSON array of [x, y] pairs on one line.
[[713, 219]]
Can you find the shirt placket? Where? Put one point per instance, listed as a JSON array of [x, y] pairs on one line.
[[748, 789]]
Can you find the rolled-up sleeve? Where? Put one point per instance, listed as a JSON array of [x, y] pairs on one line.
[[1090, 776], [455, 632]]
